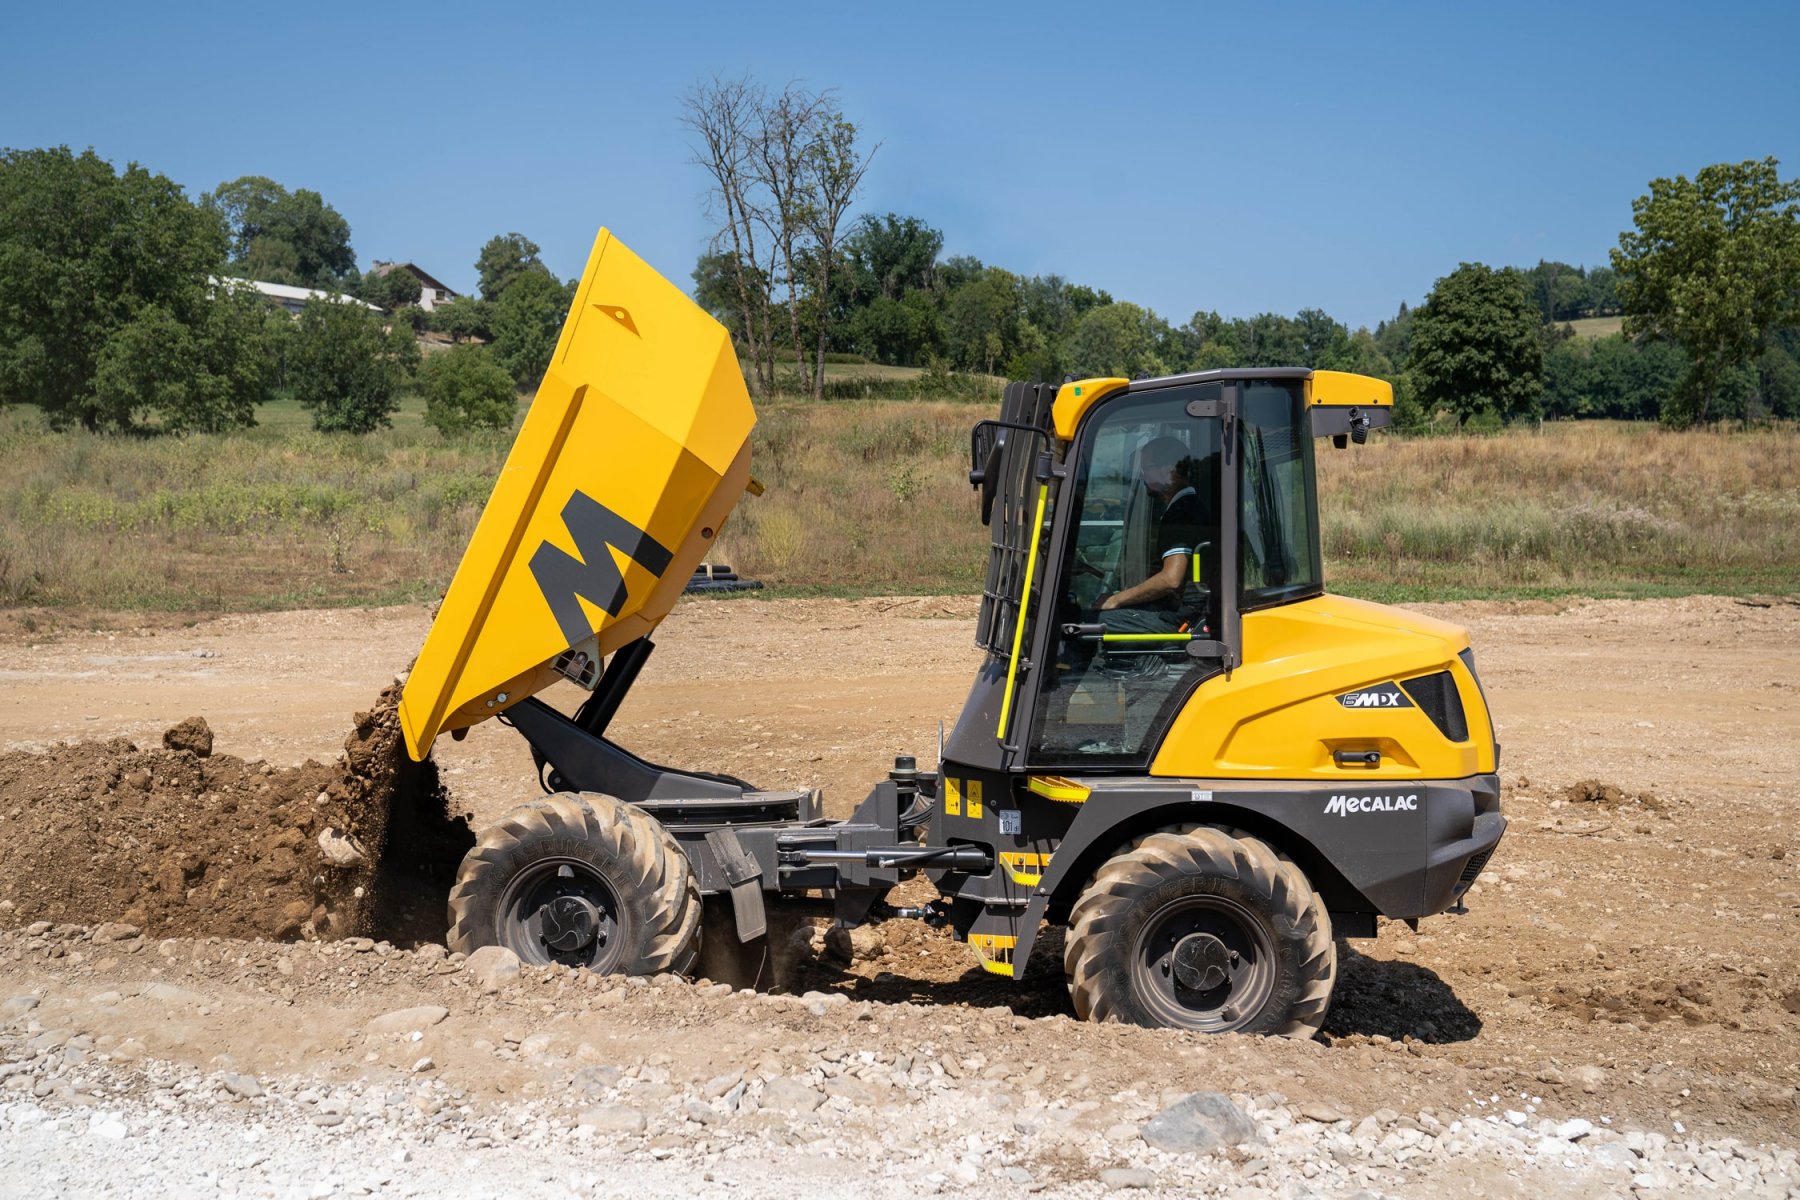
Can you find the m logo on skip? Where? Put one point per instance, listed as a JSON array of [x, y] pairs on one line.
[[1343, 806], [566, 580]]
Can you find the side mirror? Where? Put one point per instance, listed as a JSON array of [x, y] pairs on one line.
[[987, 442]]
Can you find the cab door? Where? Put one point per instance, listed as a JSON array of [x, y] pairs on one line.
[[1147, 482]]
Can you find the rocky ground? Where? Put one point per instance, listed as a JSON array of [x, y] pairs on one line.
[[1618, 1014]]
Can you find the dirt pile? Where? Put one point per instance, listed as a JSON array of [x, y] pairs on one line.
[[178, 841]]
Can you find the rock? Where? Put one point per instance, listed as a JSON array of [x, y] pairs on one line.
[[613, 1118], [1324, 1114], [423, 1065], [405, 1020], [718, 1085], [535, 1045], [852, 1089], [861, 944], [108, 1126], [243, 1086], [700, 1112], [492, 966], [1017, 1175], [594, 1080], [17, 1006], [192, 735], [1574, 1129], [340, 849], [1198, 1123], [1119, 1178], [115, 931], [1590, 1078], [787, 1094]]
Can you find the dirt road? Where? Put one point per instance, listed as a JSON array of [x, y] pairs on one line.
[[1630, 955]]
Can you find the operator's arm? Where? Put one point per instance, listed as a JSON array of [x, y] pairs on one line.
[[1165, 582]]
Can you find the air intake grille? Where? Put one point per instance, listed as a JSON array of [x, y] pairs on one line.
[[1437, 698]]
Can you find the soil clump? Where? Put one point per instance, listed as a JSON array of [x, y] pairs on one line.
[[177, 841]]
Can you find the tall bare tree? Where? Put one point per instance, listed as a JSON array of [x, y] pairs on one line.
[[834, 173], [726, 116], [785, 169]]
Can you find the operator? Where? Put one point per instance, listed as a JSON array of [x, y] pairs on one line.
[[1168, 470]]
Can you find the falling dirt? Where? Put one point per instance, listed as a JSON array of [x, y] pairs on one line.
[[178, 842]]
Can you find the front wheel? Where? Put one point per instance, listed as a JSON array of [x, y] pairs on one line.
[[583, 880], [1205, 931]]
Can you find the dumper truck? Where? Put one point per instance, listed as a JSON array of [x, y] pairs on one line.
[[1178, 747]]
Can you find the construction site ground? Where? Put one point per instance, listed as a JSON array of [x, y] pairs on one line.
[[1617, 1013]]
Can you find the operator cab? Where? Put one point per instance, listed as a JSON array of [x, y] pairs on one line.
[[1171, 488]]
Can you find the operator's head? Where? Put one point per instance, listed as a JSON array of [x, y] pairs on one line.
[[1164, 466]]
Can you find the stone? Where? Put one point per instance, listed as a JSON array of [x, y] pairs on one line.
[[423, 1065], [493, 966], [1590, 1078], [594, 1080], [1017, 1175], [108, 1126], [613, 1118], [1198, 1123], [192, 735], [1324, 1114], [406, 1020], [115, 931], [864, 943], [854, 1090], [340, 849], [1120, 1178], [1574, 1129], [243, 1086], [787, 1094], [17, 1006]]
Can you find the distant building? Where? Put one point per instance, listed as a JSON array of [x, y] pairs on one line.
[[432, 291], [291, 298]]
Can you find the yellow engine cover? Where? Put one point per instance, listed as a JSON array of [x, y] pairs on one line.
[[634, 452], [1278, 716]]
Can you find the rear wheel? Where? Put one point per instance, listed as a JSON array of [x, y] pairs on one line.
[[1201, 930], [584, 880]]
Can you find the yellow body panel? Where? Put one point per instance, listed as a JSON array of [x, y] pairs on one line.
[[641, 429], [1074, 399], [1278, 717], [1343, 389]]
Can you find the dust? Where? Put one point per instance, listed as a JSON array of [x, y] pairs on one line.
[[177, 841]]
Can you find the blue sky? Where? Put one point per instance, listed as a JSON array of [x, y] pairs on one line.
[[1243, 158]]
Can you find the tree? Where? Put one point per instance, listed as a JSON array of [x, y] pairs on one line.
[[84, 253], [204, 378], [1475, 345], [831, 175], [392, 289], [1118, 339], [462, 319], [282, 236], [891, 255], [1713, 263], [503, 259], [526, 321], [465, 389], [347, 365], [981, 320]]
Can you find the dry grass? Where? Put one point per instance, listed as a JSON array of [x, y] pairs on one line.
[[871, 496], [1588, 506]]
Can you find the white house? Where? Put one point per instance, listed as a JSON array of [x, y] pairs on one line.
[[432, 292], [291, 298]]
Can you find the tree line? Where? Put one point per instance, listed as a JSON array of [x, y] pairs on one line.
[[124, 305]]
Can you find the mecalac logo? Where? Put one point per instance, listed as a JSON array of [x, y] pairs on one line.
[[1382, 695], [1343, 806], [595, 577]]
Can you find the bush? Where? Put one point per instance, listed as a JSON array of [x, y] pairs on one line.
[[466, 389], [347, 366]]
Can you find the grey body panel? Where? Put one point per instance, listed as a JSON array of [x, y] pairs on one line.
[[1401, 851]]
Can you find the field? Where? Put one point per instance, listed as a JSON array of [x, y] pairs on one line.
[[1617, 1013], [1596, 327], [866, 497]]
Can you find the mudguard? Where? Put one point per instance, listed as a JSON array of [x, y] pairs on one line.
[[631, 457]]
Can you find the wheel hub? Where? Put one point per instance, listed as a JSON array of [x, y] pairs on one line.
[[570, 923], [1202, 962]]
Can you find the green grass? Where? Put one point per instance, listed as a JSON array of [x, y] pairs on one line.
[[870, 496], [1596, 327]]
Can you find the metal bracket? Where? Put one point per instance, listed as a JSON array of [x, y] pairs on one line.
[[744, 878]]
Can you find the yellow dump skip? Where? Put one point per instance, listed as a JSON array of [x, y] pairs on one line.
[[630, 459]]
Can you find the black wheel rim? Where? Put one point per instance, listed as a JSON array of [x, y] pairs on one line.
[[561, 910], [1203, 962]]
